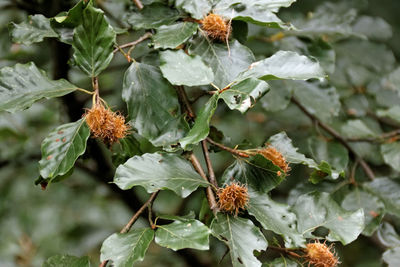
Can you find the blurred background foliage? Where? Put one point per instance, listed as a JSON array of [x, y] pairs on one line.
[[356, 43]]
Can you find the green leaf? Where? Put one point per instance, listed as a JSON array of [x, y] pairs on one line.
[[184, 233], [93, 42], [159, 171], [242, 238], [278, 97], [388, 236], [388, 191], [322, 102], [392, 257], [332, 152], [226, 63], [259, 173], [196, 8], [23, 84], [284, 145], [153, 105], [66, 261], [201, 127], [284, 65], [374, 209], [244, 94], [172, 36], [317, 209], [258, 12], [181, 69], [281, 262], [73, 17], [392, 113], [391, 154], [276, 217], [35, 30], [152, 16], [356, 129], [126, 249], [62, 147], [374, 28]]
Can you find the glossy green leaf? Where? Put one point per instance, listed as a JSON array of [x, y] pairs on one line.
[[374, 209], [388, 191], [73, 17], [152, 16], [392, 257], [322, 102], [23, 84], [261, 12], [66, 261], [126, 249], [171, 36], [35, 30], [226, 64], [181, 69], [153, 105], [317, 209], [196, 8], [62, 147], [244, 94], [276, 217], [93, 42], [257, 172], [201, 127], [159, 171], [284, 65], [184, 233], [391, 154], [278, 96], [242, 238]]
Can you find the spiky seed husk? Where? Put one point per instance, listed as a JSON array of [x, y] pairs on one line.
[[216, 27], [320, 255], [232, 198], [107, 125], [276, 157]]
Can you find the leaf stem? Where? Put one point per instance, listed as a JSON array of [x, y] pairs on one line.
[[138, 4], [286, 250], [141, 39], [337, 136], [231, 150], [148, 204], [85, 91]]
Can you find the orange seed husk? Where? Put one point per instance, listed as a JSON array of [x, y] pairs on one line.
[[216, 27], [276, 157], [320, 255], [105, 124], [232, 198]]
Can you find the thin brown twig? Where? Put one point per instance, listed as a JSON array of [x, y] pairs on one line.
[[138, 4], [231, 150], [148, 204], [141, 39], [95, 85], [380, 138], [209, 192], [338, 137], [285, 250], [210, 169], [185, 100]]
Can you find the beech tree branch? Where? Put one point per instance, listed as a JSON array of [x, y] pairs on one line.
[[138, 4], [141, 39], [210, 169], [367, 169], [231, 150]]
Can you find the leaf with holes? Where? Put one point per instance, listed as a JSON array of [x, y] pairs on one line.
[[241, 236], [317, 209], [62, 147]]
